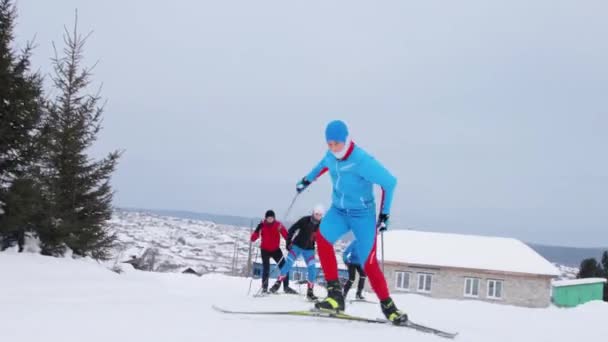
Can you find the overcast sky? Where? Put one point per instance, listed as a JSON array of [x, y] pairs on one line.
[[492, 114]]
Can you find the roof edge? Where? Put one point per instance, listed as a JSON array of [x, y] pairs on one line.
[[478, 270]]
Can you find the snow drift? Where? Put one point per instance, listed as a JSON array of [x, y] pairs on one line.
[[64, 299]]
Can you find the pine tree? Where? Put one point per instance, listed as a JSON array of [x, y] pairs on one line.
[[590, 268], [20, 118], [79, 188], [24, 210], [605, 266], [605, 263]]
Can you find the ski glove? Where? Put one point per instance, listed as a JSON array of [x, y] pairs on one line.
[[383, 222], [302, 185]]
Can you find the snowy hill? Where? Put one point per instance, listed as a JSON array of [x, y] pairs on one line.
[[183, 243], [567, 272], [559, 255], [73, 300], [569, 256], [230, 220], [201, 245]]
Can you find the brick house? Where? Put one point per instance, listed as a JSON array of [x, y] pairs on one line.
[[467, 267]]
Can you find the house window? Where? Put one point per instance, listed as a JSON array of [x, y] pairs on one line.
[[424, 282], [297, 275], [495, 289], [402, 280], [471, 287]]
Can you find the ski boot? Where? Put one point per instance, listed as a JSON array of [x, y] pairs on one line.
[[359, 296], [289, 290], [347, 287], [334, 301], [310, 295], [275, 287], [390, 311]]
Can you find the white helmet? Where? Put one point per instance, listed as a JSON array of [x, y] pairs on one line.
[[318, 209]]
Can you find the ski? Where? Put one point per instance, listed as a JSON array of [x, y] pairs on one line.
[[307, 313], [424, 328], [351, 301], [264, 295], [270, 294], [260, 295], [341, 316]]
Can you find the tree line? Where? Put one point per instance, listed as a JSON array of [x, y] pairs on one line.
[[591, 268], [50, 188]]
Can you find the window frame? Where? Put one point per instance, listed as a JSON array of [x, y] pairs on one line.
[[502, 289], [297, 275], [409, 280], [426, 276], [472, 280]]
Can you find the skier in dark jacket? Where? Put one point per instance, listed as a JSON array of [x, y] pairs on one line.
[[352, 261], [271, 231], [301, 241]]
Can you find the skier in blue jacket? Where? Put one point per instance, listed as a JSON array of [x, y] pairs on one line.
[[353, 174], [353, 263]]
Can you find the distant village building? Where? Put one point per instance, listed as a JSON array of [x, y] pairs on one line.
[[299, 271], [468, 267], [190, 270], [572, 292]]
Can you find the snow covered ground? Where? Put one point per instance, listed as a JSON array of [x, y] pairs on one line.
[[62, 299]]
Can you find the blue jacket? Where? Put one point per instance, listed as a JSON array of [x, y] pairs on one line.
[[350, 254], [353, 180]]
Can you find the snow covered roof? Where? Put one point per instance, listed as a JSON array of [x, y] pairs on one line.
[[570, 282], [463, 251]]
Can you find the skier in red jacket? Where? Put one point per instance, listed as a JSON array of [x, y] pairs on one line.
[[271, 231]]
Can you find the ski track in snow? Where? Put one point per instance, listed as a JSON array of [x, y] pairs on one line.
[[63, 299]]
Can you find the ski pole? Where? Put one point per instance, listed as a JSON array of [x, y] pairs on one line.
[[257, 250], [293, 201], [378, 227], [382, 243]]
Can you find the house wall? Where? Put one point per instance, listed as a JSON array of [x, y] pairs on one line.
[[517, 289], [571, 296]]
